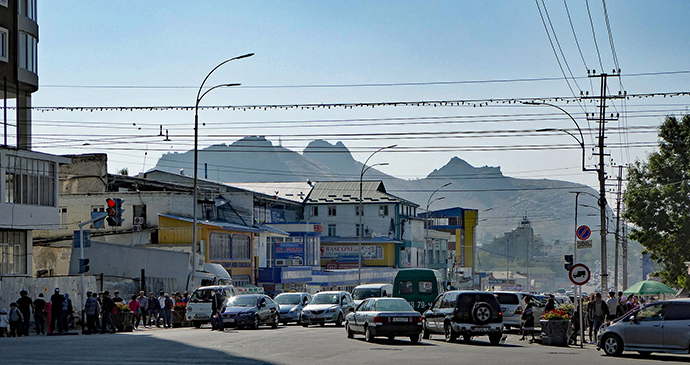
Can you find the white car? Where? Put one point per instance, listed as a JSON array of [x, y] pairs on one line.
[[199, 304], [328, 307], [512, 306]]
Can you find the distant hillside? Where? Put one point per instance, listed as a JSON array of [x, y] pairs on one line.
[[547, 203]]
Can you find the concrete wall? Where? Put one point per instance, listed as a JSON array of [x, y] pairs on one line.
[[10, 287], [53, 259], [86, 174]]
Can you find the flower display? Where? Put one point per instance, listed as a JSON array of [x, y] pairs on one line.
[[123, 307], [180, 306], [555, 314], [566, 307]]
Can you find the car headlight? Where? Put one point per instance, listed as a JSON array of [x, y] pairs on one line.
[[189, 309], [331, 310], [294, 310]]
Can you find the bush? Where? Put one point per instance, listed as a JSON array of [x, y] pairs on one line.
[[566, 307]]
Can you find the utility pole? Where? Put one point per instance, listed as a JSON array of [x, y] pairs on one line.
[[625, 256], [618, 223], [601, 172]]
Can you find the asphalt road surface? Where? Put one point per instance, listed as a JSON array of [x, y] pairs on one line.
[[293, 345]]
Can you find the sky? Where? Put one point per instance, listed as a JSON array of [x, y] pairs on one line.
[[157, 53]]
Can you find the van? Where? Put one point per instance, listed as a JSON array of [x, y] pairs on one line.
[[199, 303], [418, 286], [365, 291]]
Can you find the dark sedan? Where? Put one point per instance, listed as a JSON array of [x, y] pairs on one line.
[[251, 310], [387, 317]]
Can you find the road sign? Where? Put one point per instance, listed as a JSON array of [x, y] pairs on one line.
[[583, 233], [579, 274], [76, 239], [584, 244]]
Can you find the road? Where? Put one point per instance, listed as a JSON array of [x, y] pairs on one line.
[[291, 345]]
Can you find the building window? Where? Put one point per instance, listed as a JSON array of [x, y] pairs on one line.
[[358, 230], [62, 211], [28, 52], [358, 208], [331, 230], [219, 246], [383, 210], [29, 181], [331, 211], [4, 45], [12, 252], [315, 211], [27, 8], [241, 247]]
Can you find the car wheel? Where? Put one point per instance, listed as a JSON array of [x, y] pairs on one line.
[[391, 338], [305, 325], [255, 325], [612, 345], [367, 335], [645, 353], [449, 333], [339, 321], [466, 337], [495, 338], [415, 339], [350, 334], [274, 324], [197, 324], [426, 334], [482, 313]]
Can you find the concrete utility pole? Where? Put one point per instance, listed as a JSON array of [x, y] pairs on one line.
[[625, 256], [618, 224]]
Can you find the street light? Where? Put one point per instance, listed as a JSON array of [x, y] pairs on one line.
[[365, 168], [601, 173], [426, 222], [200, 96]]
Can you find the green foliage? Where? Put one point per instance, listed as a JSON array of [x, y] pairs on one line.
[[658, 201]]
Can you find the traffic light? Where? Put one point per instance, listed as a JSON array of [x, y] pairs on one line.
[[568, 262], [114, 211], [83, 265]]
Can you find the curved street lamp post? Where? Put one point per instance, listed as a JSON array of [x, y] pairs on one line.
[[426, 222], [200, 96]]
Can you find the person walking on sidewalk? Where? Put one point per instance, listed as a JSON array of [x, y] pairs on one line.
[[91, 311], [167, 310], [154, 308], [40, 314], [16, 319], [135, 307], [4, 323], [217, 309], [144, 303], [108, 307], [598, 312]]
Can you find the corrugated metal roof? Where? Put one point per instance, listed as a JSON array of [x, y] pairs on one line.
[[347, 192], [293, 191]]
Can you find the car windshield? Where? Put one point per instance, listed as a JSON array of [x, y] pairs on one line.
[[392, 305], [243, 301], [325, 299], [364, 293], [289, 299], [202, 296]]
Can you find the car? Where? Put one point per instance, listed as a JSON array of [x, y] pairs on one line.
[[465, 313], [388, 317], [513, 304], [364, 291], [199, 305], [291, 305], [658, 327], [328, 307], [251, 310]]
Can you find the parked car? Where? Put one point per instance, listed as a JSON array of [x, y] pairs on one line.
[[465, 313], [387, 317], [658, 327], [291, 305], [251, 310], [199, 304], [328, 307], [418, 286], [513, 304], [365, 291]]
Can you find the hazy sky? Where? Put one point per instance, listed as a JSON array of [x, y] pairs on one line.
[[156, 53]]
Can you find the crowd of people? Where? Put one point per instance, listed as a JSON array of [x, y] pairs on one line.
[[57, 313], [597, 312]]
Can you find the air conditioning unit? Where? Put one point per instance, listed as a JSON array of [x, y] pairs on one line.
[[136, 228], [138, 220], [280, 262]]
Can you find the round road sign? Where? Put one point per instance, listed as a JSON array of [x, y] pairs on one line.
[[579, 274], [583, 233]]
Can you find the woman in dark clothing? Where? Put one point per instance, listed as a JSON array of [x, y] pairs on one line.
[[550, 304], [527, 319]]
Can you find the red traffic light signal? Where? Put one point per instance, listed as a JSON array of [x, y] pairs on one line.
[[110, 203]]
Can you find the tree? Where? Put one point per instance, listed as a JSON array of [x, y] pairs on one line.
[[658, 201]]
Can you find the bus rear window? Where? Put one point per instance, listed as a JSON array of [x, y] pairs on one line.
[[405, 287], [425, 287]]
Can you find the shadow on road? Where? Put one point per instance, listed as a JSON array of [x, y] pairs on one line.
[[476, 342], [656, 357]]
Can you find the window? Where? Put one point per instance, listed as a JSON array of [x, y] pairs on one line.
[[29, 181], [405, 287], [4, 45], [27, 8], [383, 210], [358, 208], [331, 211], [651, 313], [241, 247], [62, 211], [315, 211], [331, 230], [219, 246], [3, 3], [28, 52], [12, 252], [97, 208], [678, 312], [425, 287], [358, 230]]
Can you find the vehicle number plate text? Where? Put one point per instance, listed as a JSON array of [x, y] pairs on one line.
[[400, 319]]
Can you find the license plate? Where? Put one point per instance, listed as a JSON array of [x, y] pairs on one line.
[[481, 329], [200, 316], [400, 319], [231, 320]]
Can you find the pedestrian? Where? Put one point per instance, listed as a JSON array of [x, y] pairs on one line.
[[107, 311], [117, 299], [154, 308], [598, 312], [56, 320], [144, 303], [67, 312], [527, 319], [40, 314], [161, 308], [135, 307], [16, 319], [217, 309], [612, 302], [168, 306], [635, 303], [575, 324], [96, 320], [550, 304], [91, 311], [24, 303], [185, 296], [4, 323]]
